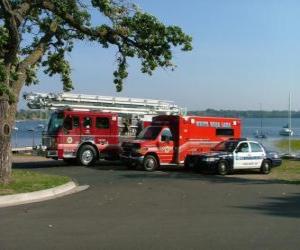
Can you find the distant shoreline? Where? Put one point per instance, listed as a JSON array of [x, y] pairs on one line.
[[43, 115]]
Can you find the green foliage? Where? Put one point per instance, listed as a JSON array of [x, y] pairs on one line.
[[24, 181], [284, 144], [50, 29]]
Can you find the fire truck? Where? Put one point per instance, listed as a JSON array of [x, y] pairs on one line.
[[88, 127], [170, 139]]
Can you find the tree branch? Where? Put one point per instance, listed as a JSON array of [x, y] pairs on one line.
[[14, 36]]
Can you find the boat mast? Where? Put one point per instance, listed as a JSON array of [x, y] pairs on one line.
[[290, 121], [261, 122]]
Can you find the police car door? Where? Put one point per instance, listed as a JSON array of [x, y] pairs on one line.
[[257, 153], [242, 156]]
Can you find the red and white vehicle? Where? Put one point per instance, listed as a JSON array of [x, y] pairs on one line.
[[82, 135], [171, 138], [89, 127]]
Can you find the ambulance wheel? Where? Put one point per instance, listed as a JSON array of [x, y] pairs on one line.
[[222, 168], [188, 163], [150, 163], [265, 167], [87, 155]]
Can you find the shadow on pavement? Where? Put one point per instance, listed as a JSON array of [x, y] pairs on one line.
[[250, 177], [285, 206]]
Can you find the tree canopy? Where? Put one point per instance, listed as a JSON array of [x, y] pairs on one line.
[[35, 33]]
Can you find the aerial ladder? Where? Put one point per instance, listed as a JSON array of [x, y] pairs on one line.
[[132, 109]]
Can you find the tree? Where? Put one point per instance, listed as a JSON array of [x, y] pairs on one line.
[[39, 33]]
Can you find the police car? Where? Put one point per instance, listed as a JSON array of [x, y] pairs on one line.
[[236, 154]]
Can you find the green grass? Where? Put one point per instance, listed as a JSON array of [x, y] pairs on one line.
[[284, 144], [289, 171], [28, 181]]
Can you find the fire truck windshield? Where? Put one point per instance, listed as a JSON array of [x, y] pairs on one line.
[[226, 146], [149, 133], [55, 122]]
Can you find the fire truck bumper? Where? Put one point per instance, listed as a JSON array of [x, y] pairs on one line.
[[132, 159], [52, 154], [60, 154]]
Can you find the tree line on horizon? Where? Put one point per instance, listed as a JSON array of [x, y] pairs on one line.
[[42, 114], [245, 113]]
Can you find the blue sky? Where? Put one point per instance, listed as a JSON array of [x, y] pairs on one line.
[[245, 53]]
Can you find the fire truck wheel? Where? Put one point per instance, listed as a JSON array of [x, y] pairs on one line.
[[87, 155], [222, 168], [150, 163], [265, 167]]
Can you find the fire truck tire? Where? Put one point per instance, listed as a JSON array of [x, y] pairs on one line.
[[222, 168], [150, 163], [87, 155], [265, 167]]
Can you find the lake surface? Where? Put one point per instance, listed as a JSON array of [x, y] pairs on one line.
[[30, 132]]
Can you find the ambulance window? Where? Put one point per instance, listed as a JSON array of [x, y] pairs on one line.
[[102, 122], [75, 121], [87, 122], [224, 132], [255, 147], [166, 135], [243, 148]]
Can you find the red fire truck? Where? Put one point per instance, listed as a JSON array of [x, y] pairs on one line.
[[82, 135], [171, 138]]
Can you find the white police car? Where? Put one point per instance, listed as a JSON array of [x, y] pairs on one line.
[[236, 154]]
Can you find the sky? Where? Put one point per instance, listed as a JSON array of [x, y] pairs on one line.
[[246, 53]]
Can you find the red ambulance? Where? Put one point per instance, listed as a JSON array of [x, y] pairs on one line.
[[170, 139]]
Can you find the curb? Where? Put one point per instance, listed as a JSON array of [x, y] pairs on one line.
[[42, 195]]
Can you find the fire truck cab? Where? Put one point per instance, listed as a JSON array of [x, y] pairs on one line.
[[171, 138], [82, 135]]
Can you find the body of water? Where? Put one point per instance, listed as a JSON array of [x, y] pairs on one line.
[[30, 132]]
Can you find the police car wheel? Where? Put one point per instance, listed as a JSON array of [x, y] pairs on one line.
[[265, 167], [150, 163], [87, 155], [222, 168]]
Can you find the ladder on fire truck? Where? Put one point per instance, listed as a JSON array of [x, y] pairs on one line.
[[120, 105]]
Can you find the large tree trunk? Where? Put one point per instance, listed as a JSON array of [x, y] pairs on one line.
[[7, 120]]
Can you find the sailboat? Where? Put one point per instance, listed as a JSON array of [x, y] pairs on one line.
[[287, 129], [260, 134]]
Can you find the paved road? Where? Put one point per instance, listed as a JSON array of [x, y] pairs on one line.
[[161, 210]]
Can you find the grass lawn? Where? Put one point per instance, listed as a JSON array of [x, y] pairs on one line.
[[28, 181], [289, 171], [284, 144]]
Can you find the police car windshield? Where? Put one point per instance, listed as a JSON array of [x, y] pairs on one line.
[[55, 122], [149, 133], [226, 146]]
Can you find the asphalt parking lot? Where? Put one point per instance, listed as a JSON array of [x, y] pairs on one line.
[[168, 209]]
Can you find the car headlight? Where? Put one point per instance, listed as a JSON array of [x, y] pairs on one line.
[[139, 150], [210, 159], [276, 156]]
